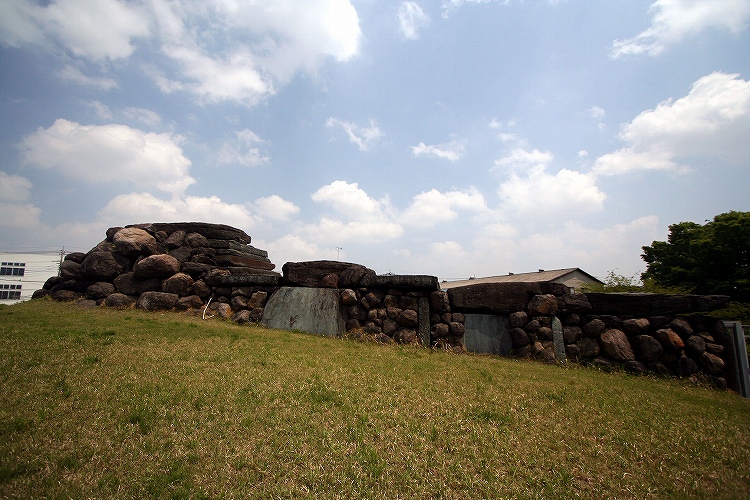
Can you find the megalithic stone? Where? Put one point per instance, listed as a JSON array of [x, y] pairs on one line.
[[559, 339]]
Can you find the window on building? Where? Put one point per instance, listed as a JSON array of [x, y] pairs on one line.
[[12, 268], [10, 292]]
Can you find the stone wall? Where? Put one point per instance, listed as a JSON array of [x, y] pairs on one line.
[[213, 270]]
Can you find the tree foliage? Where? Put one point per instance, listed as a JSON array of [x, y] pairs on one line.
[[713, 258]]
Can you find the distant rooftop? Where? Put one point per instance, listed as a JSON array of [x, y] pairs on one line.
[[556, 275]]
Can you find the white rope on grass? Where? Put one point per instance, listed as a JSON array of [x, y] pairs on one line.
[[206, 309]]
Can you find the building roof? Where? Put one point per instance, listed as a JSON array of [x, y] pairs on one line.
[[541, 275]]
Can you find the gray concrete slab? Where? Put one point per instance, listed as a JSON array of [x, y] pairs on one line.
[[312, 310], [487, 334]]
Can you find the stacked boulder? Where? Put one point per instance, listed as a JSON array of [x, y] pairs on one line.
[[162, 266], [640, 332]]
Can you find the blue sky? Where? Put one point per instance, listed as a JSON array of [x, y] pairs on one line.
[[452, 138]]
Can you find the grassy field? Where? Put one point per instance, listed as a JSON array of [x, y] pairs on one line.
[[126, 404]]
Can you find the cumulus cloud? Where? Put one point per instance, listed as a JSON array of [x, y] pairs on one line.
[[363, 137], [109, 154], [530, 188], [244, 151], [713, 120], [145, 207], [14, 191], [275, 208], [673, 20], [217, 50], [411, 19], [358, 215], [430, 208], [452, 150], [14, 188]]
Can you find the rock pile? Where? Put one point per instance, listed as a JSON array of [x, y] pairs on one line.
[[161, 266]]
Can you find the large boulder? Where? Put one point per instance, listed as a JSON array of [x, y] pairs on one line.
[[132, 242], [615, 344], [312, 273], [156, 266], [543, 305], [210, 231], [127, 284], [180, 283], [100, 290], [157, 301], [103, 266], [649, 347]]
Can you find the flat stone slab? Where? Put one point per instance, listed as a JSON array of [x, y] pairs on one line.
[[653, 304], [500, 298], [312, 310], [487, 334], [239, 280], [416, 281]]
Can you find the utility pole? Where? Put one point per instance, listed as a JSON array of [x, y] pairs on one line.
[[338, 249], [59, 267]]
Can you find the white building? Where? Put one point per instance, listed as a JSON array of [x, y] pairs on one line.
[[21, 274]]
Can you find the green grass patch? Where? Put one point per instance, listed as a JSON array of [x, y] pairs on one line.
[[124, 404]]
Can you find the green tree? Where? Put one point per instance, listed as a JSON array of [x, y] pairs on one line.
[[713, 258]]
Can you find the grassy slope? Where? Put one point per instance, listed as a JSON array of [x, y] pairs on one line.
[[128, 404]]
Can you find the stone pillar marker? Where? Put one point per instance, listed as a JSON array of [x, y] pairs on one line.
[[423, 313], [558, 339]]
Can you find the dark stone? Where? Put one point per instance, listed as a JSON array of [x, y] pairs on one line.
[[573, 352], [180, 284], [439, 302], [696, 344], [654, 304], [71, 270], [571, 319], [410, 281], [157, 301], [500, 298], [543, 305], [659, 368], [189, 302], [519, 338], [127, 284], [201, 289], [594, 328], [686, 366], [353, 275], [238, 303], [76, 257], [439, 330], [226, 278], [532, 326], [681, 327], [348, 297], [111, 232], [241, 317], [636, 367], [52, 282], [456, 329], [713, 363], [156, 266], [405, 335], [574, 303], [636, 326], [86, 303], [524, 352], [650, 348], [383, 338], [65, 295], [543, 333], [407, 302], [329, 281], [715, 349], [257, 299], [100, 290], [615, 344], [458, 317], [352, 324], [210, 231], [518, 319], [103, 266], [572, 334], [588, 347], [183, 254], [311, 273], [175, 240]]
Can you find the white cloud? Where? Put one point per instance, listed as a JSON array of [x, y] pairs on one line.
[[145, 116], [134, 208], [713, 120], [541, 193], [74, 74], [101, 109], [521, 159], [275, 208], [220, 50], [452, 150], [359, 215], [109, 154], [243, 152], [673, 20], [293, 248], [433, 207], [363, 137], [17, 215], [411, 19], [14, 188], [451, 6], [102, 30]]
